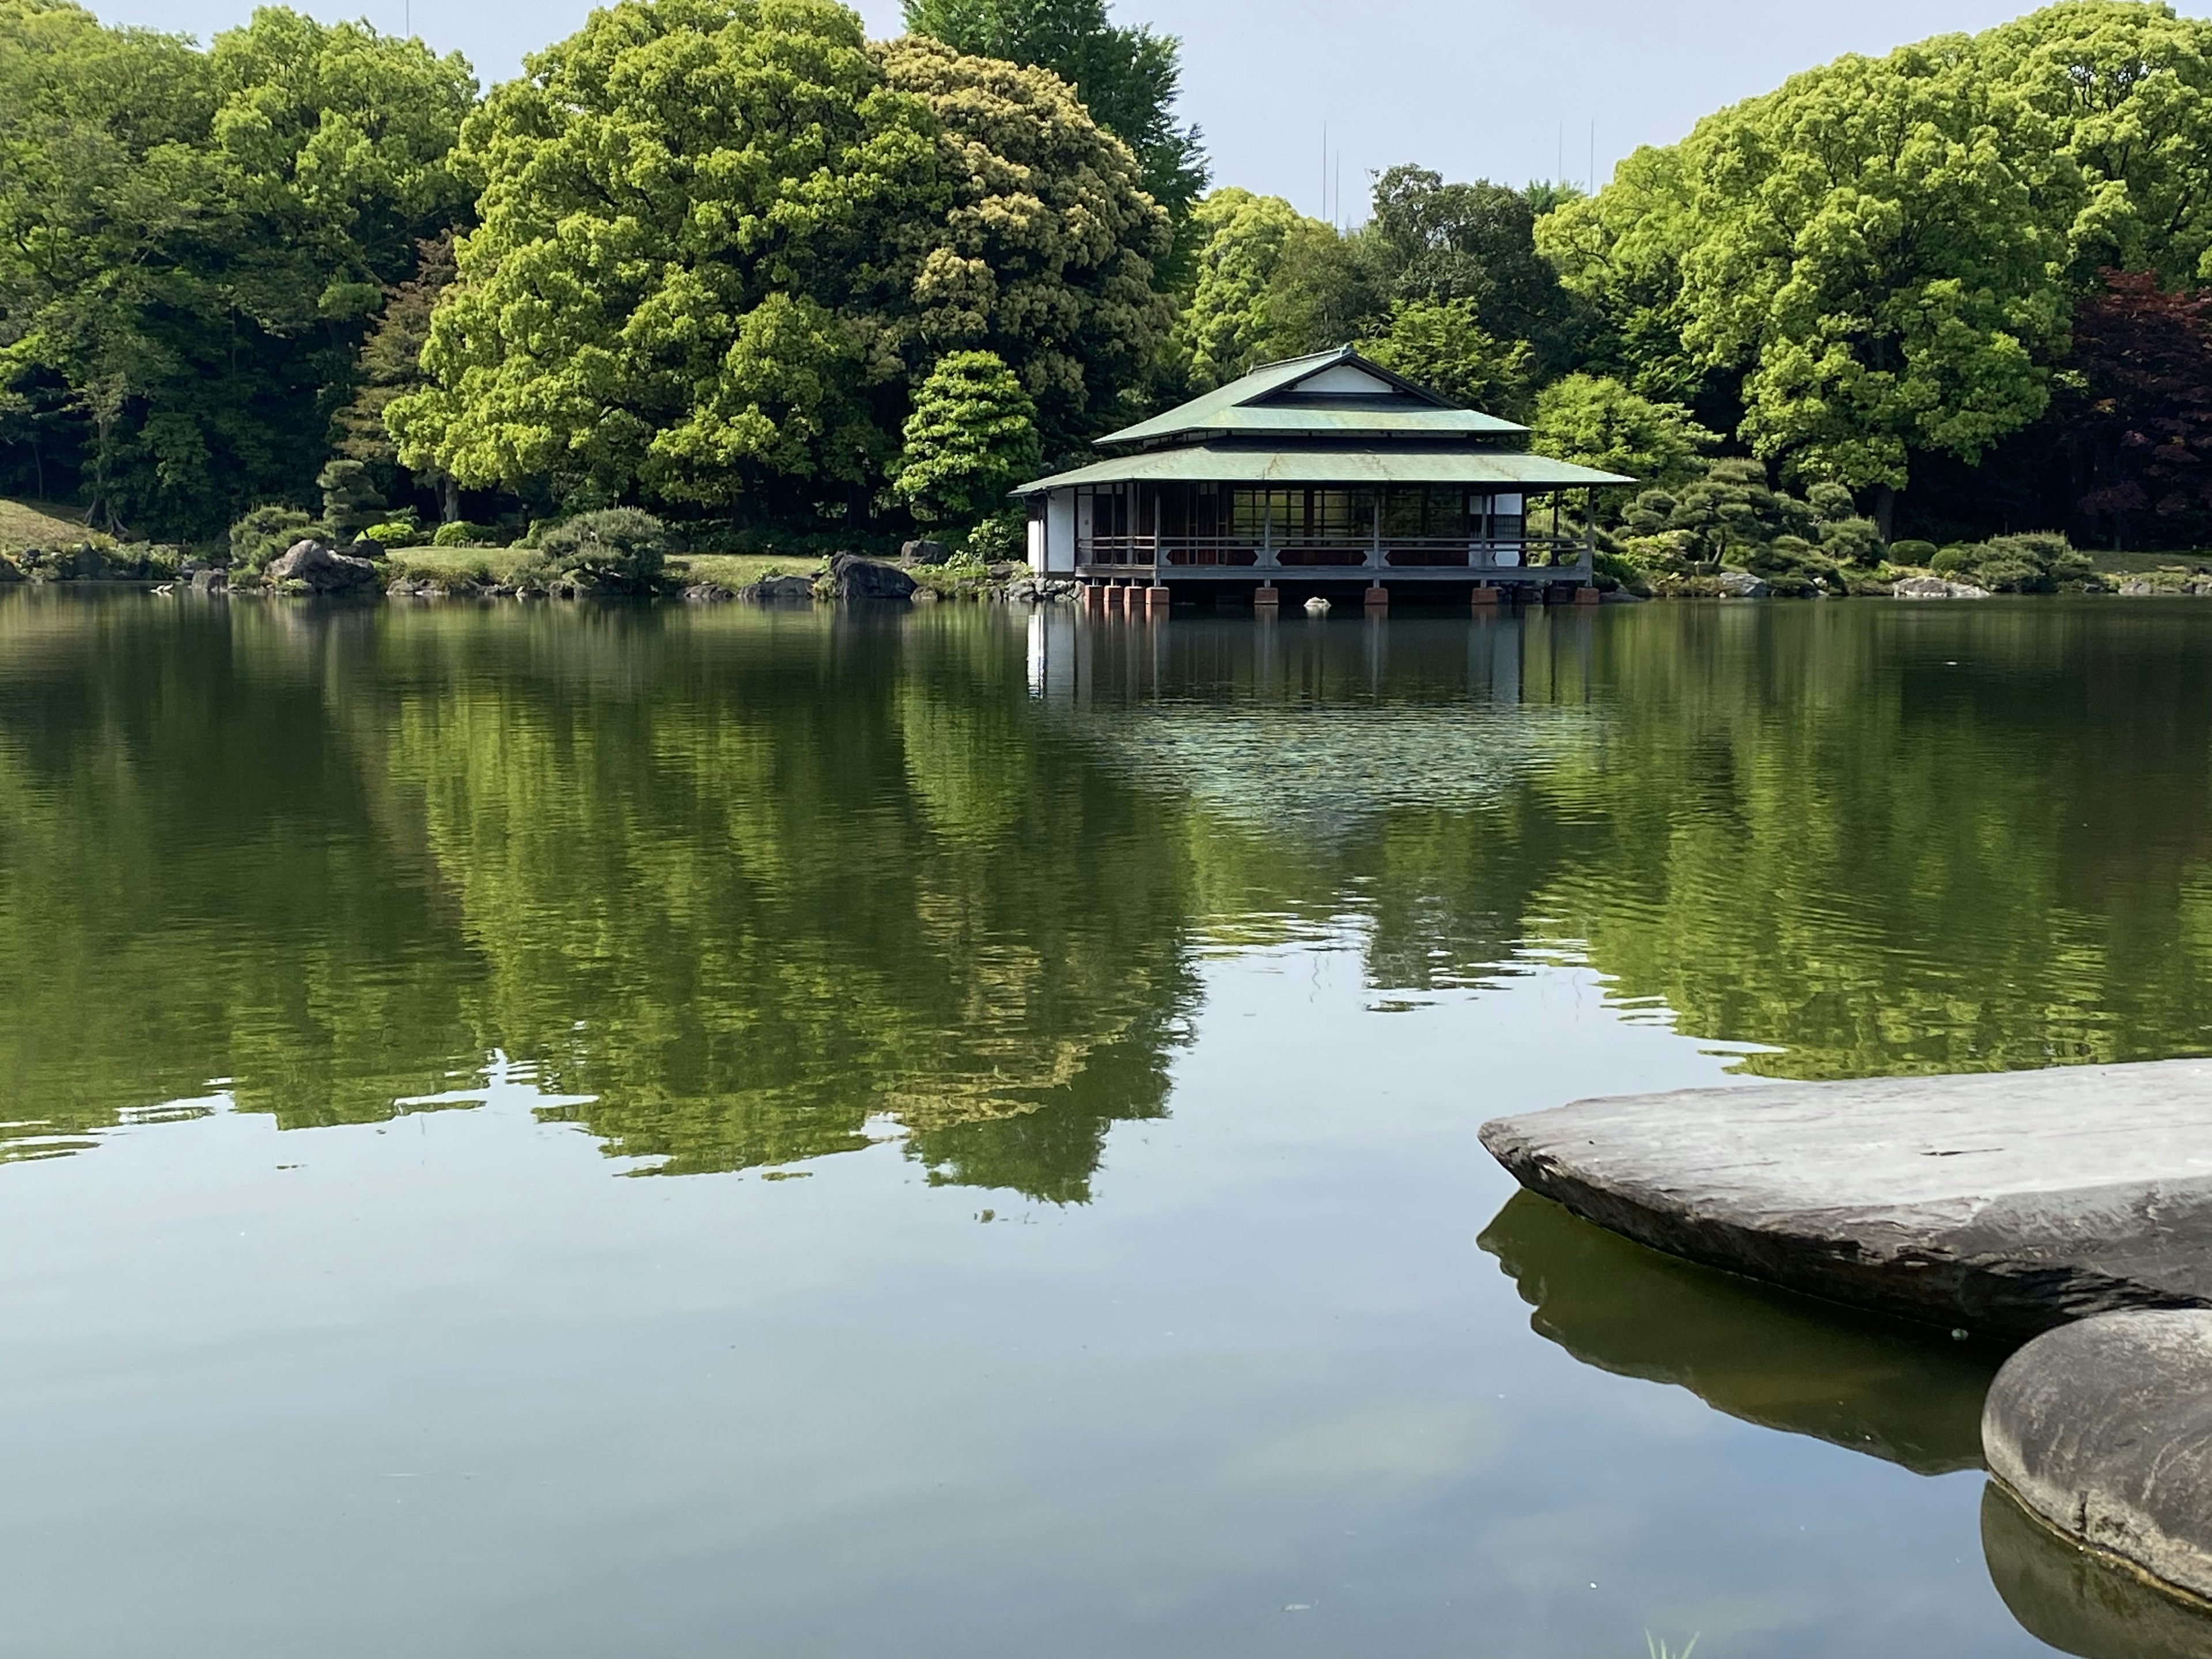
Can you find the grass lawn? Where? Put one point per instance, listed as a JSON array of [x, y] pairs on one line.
[[731, 571], [25, 524], [2139, 564]]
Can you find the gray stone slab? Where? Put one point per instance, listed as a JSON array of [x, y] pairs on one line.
[[2004, 1202], [2103, 1430]]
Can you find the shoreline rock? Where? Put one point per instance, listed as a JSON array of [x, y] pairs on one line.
[[2103, 1430], [1935, 588], [1999, 1202], [853, 577], [321, 570]]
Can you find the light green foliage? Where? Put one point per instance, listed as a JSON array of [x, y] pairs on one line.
[[1128, 77], [191, 243], [265, 532], [1047, 252], [1884, 252], [618, 550], [351, 498], [1917, 554], [1443, 345], [1227, 327], [401, 530], [1595, 420], [971, 438], [460, 533], [716, 234]]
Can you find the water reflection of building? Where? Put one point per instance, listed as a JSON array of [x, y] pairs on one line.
[[1319, 726]]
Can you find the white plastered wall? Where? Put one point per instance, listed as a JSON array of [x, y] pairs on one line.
[[1060, 532]]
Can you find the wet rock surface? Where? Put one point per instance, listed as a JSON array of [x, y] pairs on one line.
[[2103, 1430], [2005, 1202]]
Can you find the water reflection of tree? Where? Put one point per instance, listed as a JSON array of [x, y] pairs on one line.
[[754, 882], [192, 886], [1889, 842], [750, 883]]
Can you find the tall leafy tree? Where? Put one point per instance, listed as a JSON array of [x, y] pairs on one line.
[[1441, 344], [1597, 422], [390, 364], [1128, 77], [1268, 284], [191, 244], [1473, 243], [2144, 411], [1882, 257], [722, 239]]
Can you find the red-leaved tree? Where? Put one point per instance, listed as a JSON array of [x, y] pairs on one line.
[[2145, 406]]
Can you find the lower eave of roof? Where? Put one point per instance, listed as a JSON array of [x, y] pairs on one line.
[[1335, 463]]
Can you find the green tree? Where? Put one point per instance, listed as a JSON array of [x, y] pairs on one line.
[[1441, 344], [719, 240], [1471, 242], [1881, 256], [351, 497], [1228, 325], [1128, 78], [191, 244], [391, 362], [1598, 422], [972, 437]]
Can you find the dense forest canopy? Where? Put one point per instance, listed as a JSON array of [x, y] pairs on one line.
[[193, 244], [731, 261]]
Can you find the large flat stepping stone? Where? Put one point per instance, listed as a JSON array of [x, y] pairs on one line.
[[2006, 1202], [2103, 1431]]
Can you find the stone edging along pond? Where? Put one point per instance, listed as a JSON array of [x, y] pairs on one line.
[[2072, 1205]]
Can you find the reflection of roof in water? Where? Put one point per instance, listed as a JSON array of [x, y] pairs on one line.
[[1322, 769]]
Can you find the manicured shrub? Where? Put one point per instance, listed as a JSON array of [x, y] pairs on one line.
[[618, 550], [265, 533], [461, 533]]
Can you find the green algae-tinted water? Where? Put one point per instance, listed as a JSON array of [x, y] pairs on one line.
[[544, 1131]]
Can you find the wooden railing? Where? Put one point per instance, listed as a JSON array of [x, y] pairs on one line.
[[1178, 552]]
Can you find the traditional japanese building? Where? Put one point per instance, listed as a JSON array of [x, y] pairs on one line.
[[1323, 475]]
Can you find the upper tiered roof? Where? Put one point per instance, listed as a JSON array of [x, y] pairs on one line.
[[1335, 395]]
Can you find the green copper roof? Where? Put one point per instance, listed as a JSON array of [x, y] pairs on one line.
[[1331, 394], [1334, 464]]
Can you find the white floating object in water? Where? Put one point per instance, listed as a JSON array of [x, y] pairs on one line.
[[1316, 606]]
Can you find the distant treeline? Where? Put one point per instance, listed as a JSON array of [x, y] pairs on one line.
[[731, 261]]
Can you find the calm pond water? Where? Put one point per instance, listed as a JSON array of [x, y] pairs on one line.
[[564, 1131]]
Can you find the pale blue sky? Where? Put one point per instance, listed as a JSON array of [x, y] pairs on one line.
[[1472, 88]]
